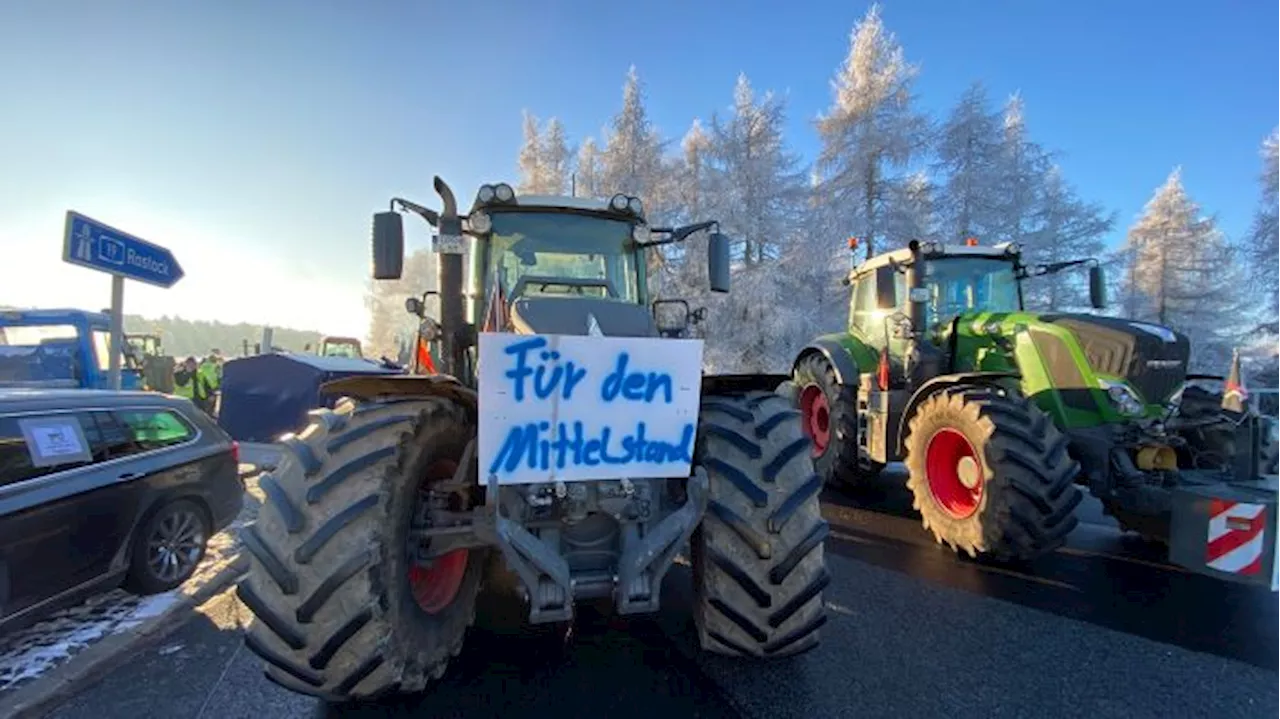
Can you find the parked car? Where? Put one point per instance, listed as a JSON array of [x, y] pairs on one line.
[[101, 488]]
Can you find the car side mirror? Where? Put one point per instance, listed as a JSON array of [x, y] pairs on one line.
[[718, 262], [1097, 287], [388, 246]]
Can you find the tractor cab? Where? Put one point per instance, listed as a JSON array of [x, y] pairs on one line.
[[59, 348], [340, 347]]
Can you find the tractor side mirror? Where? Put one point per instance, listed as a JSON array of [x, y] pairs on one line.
[[718, 262], [1097, 287], [413, 306], [388, 246]]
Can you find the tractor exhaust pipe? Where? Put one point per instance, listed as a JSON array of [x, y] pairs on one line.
[[454, 336], [915, 281]]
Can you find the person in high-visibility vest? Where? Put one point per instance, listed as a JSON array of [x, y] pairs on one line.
[[209, 381], [184, 379]]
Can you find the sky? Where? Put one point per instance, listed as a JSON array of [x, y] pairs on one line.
[[255, 139]]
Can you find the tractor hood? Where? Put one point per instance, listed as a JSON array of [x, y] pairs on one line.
[[575, 315], [1151, 358]]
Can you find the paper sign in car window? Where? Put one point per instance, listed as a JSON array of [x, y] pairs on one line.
[[55, 441], [573, 408]]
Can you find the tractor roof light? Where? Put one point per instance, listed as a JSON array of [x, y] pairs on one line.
[[641, 234], [636, 206], [504, 192], [486, 194], [619, 202]]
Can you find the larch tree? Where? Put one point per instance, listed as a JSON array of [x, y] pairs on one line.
[[530, 159], [1183, 274], [587, 171], [1023, 167], [1262, 248], [910, 213], [760, 184], [632, 158], [1066, 228], [554, 162], [870, 130], [968, 149]]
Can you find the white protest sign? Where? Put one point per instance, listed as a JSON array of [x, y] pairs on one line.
[[570, 408], [54, 441]]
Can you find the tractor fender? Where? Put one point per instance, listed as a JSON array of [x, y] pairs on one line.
[[938, 383], [372, 387], [841, 361]]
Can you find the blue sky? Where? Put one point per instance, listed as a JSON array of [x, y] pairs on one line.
[[255, 138]]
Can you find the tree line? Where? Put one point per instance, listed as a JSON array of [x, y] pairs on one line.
[[886, 173]]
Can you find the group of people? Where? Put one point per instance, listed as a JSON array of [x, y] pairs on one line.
[[200, 381]]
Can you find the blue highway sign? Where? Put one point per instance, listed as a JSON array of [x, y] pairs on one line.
[[101, 247]]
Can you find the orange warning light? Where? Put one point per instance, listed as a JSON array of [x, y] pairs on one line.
[[971, 242], [853, 243]]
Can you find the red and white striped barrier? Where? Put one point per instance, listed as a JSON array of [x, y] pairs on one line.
[[1236, 537]]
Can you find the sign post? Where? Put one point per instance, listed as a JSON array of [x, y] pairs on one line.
[[97, 246]]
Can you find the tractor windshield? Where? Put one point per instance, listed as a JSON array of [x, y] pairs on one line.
[[959, 285], [563, 253]]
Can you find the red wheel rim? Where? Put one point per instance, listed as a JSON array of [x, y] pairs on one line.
[[954, 472], [436, 586], [815, 417]]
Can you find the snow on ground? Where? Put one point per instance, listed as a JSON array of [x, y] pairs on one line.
[[31, 652]]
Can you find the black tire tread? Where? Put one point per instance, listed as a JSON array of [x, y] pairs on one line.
[[1030, 495], [320, 554], [758, 562], [840, 465]]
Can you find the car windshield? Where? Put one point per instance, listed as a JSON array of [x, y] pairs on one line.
[[969, 284], [564, 253]]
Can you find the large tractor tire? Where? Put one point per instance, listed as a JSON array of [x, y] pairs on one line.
[[829, 418], [340, 613], [758, 563], [990, 474]]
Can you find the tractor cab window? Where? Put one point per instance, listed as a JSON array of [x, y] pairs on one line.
[[963, 285], [565, 254]]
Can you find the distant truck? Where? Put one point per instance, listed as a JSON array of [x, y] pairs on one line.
[[60, 348]]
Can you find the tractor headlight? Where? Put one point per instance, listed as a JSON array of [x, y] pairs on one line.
[[636, 206], [486, 194], [641, 234], [480, 223], [1123, 397], [504, 193], [619, 203]]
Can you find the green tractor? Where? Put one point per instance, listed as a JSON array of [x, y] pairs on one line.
[[999, 413], [384, 519]]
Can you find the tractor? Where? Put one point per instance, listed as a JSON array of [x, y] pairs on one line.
[[380, 528], [999, 413]]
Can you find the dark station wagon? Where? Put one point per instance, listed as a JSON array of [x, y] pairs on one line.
[[103, 488]]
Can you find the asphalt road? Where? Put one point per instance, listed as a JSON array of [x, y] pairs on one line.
[[1100, 629]]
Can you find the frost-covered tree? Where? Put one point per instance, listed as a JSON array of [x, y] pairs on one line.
[[389, 324], [968, 162], [1024, 164], [530, 160], [1067, 228], [910, 213], [1262, 248], [587, 170], [760, 184], [555, 159], [632, 158], [1182, 274], [870, 130]]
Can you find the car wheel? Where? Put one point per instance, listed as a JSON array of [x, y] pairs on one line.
[[168, 547]]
